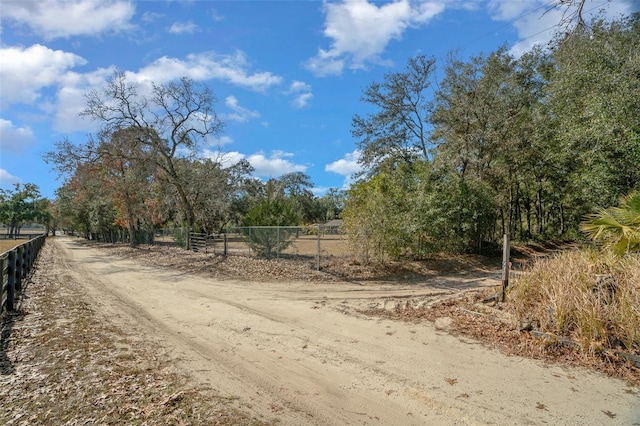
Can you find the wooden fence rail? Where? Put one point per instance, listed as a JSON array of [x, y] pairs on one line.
[[15, 266], [198, 241]]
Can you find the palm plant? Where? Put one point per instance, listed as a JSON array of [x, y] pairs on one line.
[[617, 227]]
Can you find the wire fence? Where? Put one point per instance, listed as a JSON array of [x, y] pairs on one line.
[[320, 244]]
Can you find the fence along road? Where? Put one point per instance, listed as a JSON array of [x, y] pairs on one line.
[[302, 354], [15, 266], [319, 243]]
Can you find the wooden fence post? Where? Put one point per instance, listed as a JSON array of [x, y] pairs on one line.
[[3, 262], [29, 255], [11, 280], [4, 282], [19, 268], [505, 266], [318, 250]]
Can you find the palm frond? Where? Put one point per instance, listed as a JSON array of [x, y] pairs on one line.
[[617, 227]]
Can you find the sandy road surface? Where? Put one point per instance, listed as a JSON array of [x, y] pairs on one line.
[[299, 353]]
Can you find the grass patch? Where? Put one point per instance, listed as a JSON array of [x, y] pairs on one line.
[[6, 245], [589, 296]]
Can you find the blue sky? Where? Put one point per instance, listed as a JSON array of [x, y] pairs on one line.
[[288, 75]]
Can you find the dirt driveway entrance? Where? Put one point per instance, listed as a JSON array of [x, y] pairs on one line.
[[301, 354]]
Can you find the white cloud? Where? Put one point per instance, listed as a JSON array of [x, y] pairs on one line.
[[151, 16], [506, 10], [7, 178], [302, 100], [223, 140], [65, 18], [470, 6], [267, 166], [274, 165], [325, 63], [360, 31], [301, 92], [208, 65], [530, 21], [25, 71], [537, 23], [183, 28], [14, 139], [239, 114], [226, 159], [71, 101], [346, 166], [215, 16], [299, 86]]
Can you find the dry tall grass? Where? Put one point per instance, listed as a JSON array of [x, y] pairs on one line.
[[6, 245], [590, 296]]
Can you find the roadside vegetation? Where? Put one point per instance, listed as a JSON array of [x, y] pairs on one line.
[[577, 304], [591, 296], [21, 206], [526, 146], [585, 295]]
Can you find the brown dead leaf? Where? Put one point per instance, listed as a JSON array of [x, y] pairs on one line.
[[541, 406], [610, 414], [451, 381]]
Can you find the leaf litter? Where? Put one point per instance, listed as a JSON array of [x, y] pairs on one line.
[[62, 364]]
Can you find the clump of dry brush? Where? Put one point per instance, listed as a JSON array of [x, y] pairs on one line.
[[592, 297]]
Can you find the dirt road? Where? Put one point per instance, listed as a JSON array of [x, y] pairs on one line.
[[301, 354]]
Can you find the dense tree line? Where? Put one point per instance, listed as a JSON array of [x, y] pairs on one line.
[[496, 144], [144, 170], [22, 206], [501, 144]]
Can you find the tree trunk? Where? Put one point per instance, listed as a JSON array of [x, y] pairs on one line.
[[132, 233], [540, 212]]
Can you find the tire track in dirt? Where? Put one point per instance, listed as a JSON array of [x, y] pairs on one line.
[[296, 352]]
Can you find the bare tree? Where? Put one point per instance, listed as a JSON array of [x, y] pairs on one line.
[[169, 123], [573, 14], [398, 130]]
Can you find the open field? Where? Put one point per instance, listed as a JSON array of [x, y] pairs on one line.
[[303, 246], [6, 245], [26, 235]]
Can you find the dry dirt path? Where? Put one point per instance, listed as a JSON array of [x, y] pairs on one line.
[[299, 353]]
